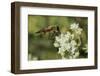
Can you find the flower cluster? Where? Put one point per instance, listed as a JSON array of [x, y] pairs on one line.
[[66, 42], [75, 28]]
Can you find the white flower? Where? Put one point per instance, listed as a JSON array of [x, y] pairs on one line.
[[67, 36], [74, 26], [56, 44], [73, 46], [73, 43], [62, 35], [63, 38], [67, 46], [61, 50], [57, 38], [66, 42], [62, 42], [78, 31], [76, 55]]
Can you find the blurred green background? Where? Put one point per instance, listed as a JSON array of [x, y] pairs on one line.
[[40, 41]]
